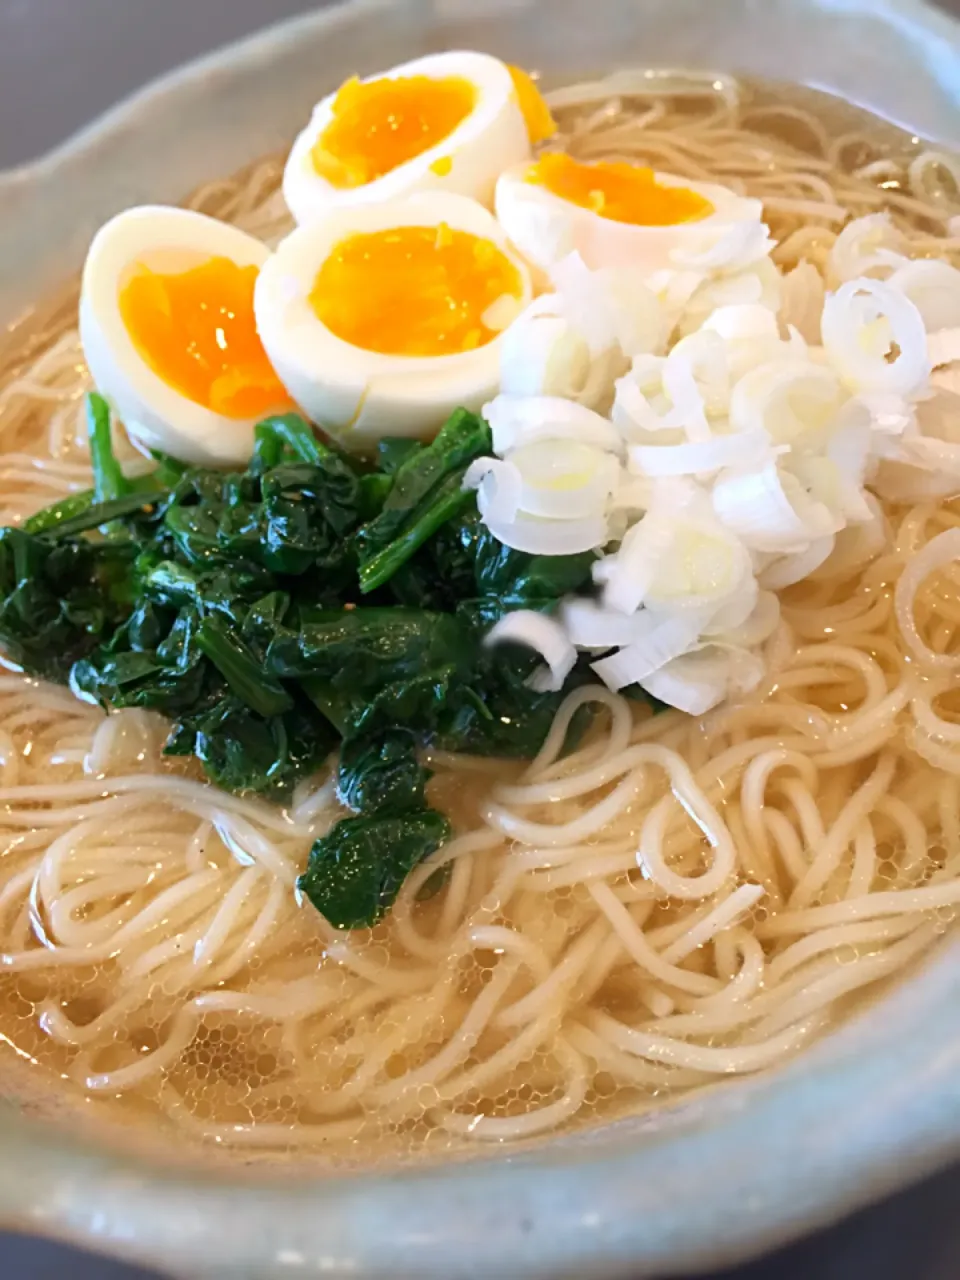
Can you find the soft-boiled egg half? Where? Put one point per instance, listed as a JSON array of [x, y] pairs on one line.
[[614, 213], [446, 122], [169, 334], [381, 319]]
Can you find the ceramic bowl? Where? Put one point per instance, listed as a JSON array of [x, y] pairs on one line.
[[716, 1179]]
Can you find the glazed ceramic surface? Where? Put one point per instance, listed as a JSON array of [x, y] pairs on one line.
[[734, 1171]]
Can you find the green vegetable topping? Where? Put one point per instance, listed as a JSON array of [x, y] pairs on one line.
[[356, 871], [427, 491], [109, 482], [310, 603]]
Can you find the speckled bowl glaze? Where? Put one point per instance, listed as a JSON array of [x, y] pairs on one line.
[[736, 1170]]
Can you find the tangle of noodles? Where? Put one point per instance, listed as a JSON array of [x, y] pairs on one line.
[[568, 968]]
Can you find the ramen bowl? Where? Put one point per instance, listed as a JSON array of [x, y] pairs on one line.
[[705, 1182]]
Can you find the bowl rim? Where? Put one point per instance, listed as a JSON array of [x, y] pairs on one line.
[[937, 31], [606, 1203]]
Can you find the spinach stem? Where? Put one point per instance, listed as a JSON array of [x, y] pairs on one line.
[[449, 500], [289, 429], [109, 482], [241, 669], [81, 512]]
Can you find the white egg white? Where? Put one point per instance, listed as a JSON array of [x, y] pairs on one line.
[[492, 137], [546, 228], [155, 414], [358, 395]]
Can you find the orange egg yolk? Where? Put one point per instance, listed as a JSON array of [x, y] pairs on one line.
[[196, 331], [620, 192], [536, 113], [414, 291], [378, 125]]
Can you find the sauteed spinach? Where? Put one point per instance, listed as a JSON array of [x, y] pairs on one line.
[[309, 603]]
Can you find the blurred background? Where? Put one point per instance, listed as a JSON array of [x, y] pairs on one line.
[[61, 63]]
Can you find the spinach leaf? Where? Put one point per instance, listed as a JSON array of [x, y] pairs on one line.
[[58, 600], [426, 492], [356, 870], [240, 668], [381, 774], [286, 432], [464, 569], [500, 714], [152, 660], [507, 579], [290, 518], [307, 513], [441, 574], [243, 751], [375, 668], [229, 591]]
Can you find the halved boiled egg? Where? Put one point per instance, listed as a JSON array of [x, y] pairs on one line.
[[616, 214], [169, 334], [448, 121], [382, 319]]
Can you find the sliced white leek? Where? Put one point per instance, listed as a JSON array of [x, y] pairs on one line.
[[592, 626], [924, 465], [641, 410], [543, 634], [628, 575], [520, 420], [758, 626], [674, 290], [934, 289], [676, 394], [678, 557], [792, 400], [702, 457], [857, 544], [943, 347], [746, 321], [849, 453], [866, 246], [750, 335], [730, 466], [801, 303], [540, 537], [659, 640], [681, 389], [544, 353], [697, 682], [704, 566], [875, 339], [500, 485], [757, 284], [564, 479], [787, 570], [911, 483], [706, 356], [744, 244], [611, 308], [769, 510]]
